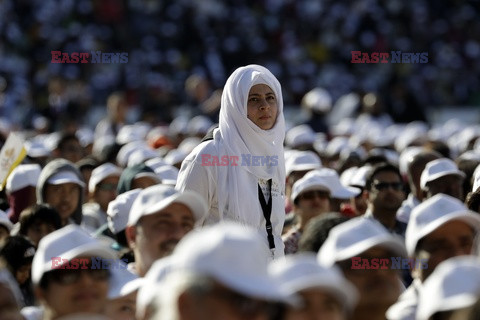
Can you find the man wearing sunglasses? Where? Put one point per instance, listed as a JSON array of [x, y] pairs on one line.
[[384, 191], [311, 198], [64, 287]]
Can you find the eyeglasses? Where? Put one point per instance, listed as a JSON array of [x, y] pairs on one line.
[[309, 195], [68, 277], [381, 186]]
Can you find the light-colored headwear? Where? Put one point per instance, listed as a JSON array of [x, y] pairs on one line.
[[238, 135]]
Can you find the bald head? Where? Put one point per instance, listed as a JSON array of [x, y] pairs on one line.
[[415, 167]]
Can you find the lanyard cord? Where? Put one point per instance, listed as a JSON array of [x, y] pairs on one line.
[[267, 212]]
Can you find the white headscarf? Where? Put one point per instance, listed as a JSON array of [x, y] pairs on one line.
[[239, 136]]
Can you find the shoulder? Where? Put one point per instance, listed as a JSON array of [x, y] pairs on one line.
[[208, 147]]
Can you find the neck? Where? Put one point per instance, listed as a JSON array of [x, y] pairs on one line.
[[386, 217], [369, 313]]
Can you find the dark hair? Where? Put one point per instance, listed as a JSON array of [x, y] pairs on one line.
[[317, 230], [38, 213], [381, 167], [64, 138], [473, 200], [17, 251]]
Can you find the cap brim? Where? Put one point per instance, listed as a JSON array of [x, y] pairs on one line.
[[62, 181], [443, 174], [346, 193], [384, 241], [472, 219], [303, 167], [312, 187]]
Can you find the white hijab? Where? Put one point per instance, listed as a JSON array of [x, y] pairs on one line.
[[238, 135]]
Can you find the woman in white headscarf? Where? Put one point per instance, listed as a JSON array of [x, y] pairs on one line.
[[241, 172]]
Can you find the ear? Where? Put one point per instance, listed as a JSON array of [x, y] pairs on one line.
[[131, 234], [186, 306]]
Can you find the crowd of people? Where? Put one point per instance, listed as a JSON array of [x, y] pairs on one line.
[[245, 219]]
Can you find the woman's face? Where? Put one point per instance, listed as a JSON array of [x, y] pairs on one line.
[[262, 106]]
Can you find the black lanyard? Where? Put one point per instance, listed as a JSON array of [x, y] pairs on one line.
[[267, 212]]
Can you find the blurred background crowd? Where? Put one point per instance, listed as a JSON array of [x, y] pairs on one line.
[[180, 52]]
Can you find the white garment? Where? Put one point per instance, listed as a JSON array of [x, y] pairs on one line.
[[406, 306], [231, 191], [403, 213], [32, 313], [93, 216]]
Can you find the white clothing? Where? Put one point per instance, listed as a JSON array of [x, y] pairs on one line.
[[406, 306], [403, 213], [93, 216]]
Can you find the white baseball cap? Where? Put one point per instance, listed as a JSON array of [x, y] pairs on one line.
[[439, 168], [4, 221], [220, 251], [36, 148], [359, 178], [302, 271], [302, 160], [300, 135], [433, 213], [23, 176], [123, 282], [119, 209], [158, 197], [337, 189], [141, 155], [305, 184], [68, 242], [65, 176], [127, 150], [476, 179], [168, 174], [318, 99], [356, 236], [455, 284], [102, 172], [150, 285], [175, 156]]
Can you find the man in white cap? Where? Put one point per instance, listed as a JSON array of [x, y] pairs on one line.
[[441, 227], [213, 279], [339, 193], [385, 193], [122, 295], [102, 189], [324, 291], [363, 249], [65, 280], [61, 185], [160, 216], [414, 168], [451, 291], [442, 176], [311, 198]]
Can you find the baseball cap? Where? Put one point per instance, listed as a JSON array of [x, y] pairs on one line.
[[455, 284], [123, 282], [119, 209], [36, 148], [337, 190], [141, 155], [304, 184], [220, 252], [302, 160], [175, 156], [150, 285], [354, 237], [102, 172], [67, 243], [158, 197], [439, 168], [433, 213], [168, 174], [300, 135], [302, 271], [65, 177], [318, 99], [4, 221], [22, 176]]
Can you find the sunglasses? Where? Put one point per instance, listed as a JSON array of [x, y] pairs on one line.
[[382, 186], [68, 277]]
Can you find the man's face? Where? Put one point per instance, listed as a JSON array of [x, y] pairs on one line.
[[123, 308], [64, 198], [312, 203], [106, 191], [316, 305], [75, 291], [222, 303], [451, 185], [156, 235], [454, 238], [72, 150], [38, 230], [143, 182], [386, 192], [377, 287]]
